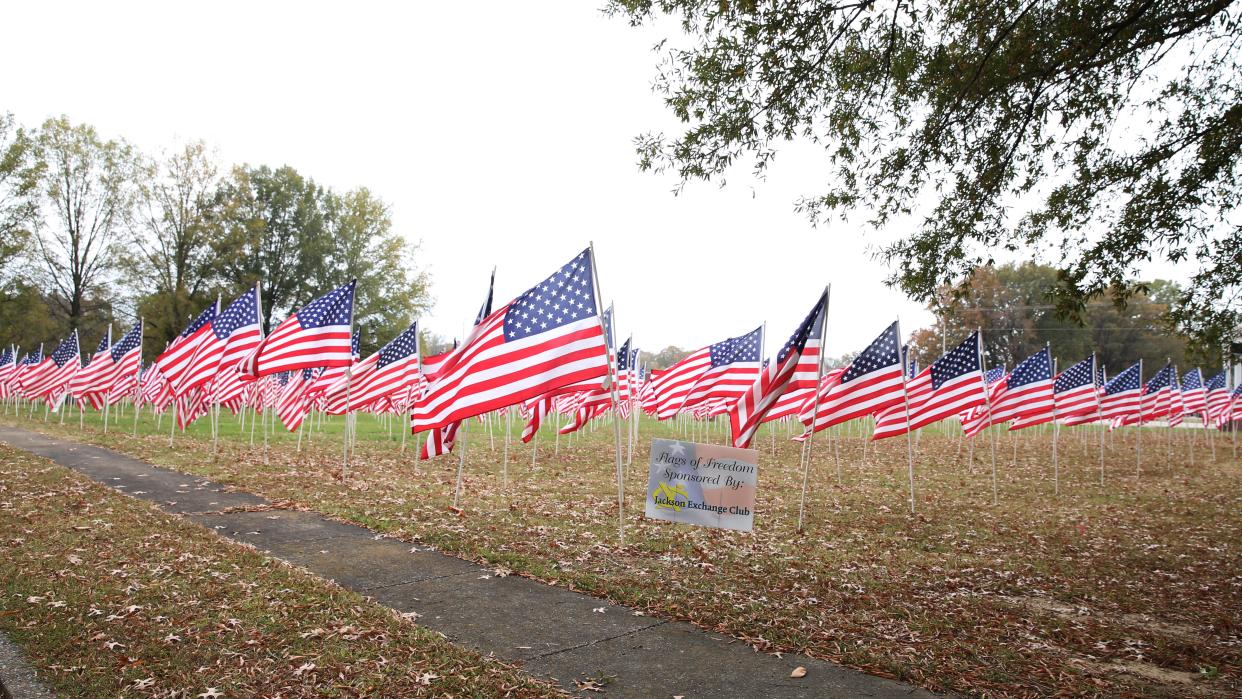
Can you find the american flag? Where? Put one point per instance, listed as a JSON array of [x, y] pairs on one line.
[[975, 419], [8, 365], [871, 383], [1234, 410], [440, 441], [486, 309], [1123, 394], [25, 371], [234, 334], [1217, 396], [86, 379], [537, 409], [746, 412], [1194, 395], [624, 362], [1157, 394], [1026, 394], [292, 405], [950, 386], [794, 403], [175, 359], [154, 389], [677, 384], [807, 374], [1076, 395], [1177, 407], [316, 336], [395, 368], [332, 379], [121, 364], [547, 338], [735, 364], [49, 379]]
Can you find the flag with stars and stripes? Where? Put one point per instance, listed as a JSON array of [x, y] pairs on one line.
[[292, 405], [82, 383], [1194, 395], [318, 335], [175, 359], [746, 412], [234, 334], [871, 383], [536, 409], [1157, 394], [119, 366], [51, 377], [1076, 397], [1217, 398], [546, 338], [952, 385], [624, 362], [1025, 394], [440, 441], [394, 369], [8, 365], [735, 363], [712, 372], [25, 371], [1123, 394], [1177, 406]]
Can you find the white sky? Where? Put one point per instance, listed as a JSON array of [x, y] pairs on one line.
[[500, 133]]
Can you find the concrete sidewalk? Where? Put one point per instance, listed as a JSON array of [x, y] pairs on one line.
[[547, 630]]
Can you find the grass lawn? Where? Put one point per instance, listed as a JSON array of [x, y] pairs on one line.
[[108, 596], [1130, 587]]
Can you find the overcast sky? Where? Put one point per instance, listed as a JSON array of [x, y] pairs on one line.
[[500, 133]]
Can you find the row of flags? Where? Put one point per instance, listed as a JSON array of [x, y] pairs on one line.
[[552, 350]]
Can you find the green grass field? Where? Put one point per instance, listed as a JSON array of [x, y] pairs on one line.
[[1129, 587]]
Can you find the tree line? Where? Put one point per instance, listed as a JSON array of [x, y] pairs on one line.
[[1013, 305], [94, 231]]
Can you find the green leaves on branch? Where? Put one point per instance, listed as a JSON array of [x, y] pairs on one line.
[[1095, 136]]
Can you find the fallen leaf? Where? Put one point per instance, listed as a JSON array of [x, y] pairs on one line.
[[798, 672]]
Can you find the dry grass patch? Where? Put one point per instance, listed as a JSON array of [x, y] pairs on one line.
[[1042, 594]]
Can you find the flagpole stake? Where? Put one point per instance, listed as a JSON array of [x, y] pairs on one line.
[[504, 469], [349, 381], [461, 462]]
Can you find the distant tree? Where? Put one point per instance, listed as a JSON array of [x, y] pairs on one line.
[[665, 358], [273, 231], [391, 293], [85, 197], [169, 262], [17, 182], [1105, 133], [1011, 305]]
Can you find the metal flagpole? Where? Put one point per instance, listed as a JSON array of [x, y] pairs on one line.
[[616, 426], [1138, 445], [1056, 429], [987, 400], [905, 397], [137, 378], [505, 464], [461, 463], [1099, 412], [819, 375]]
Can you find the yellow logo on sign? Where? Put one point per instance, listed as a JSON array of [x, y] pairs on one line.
[[670, 494]]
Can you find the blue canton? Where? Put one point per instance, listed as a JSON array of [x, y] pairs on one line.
[[333, 308], [881, 353], [960, 360], [565, 297], [744, 348], [400, 347], [809, 328], [1127, 380], [1076, 376], [132, 340], [242, 312], [1037, 367]]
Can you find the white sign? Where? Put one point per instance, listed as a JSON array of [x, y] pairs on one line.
[[705, 484]]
